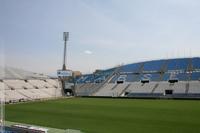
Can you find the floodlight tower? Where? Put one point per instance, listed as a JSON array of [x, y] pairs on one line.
[[65, 75], [65, 38]]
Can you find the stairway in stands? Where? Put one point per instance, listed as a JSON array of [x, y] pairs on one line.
[[114, 86], [154, 88], [187, 86], [125, 89], [100, 85]]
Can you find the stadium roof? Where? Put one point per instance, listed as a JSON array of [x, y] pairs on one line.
[[15, 73]]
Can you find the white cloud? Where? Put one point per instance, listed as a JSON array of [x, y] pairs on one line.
[[88, 52]]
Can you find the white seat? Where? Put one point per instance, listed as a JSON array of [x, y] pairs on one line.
[[194, 87], [18, 84], [40, 83], [138, 87]]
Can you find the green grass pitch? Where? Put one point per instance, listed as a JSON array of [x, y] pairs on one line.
[[95, 115]]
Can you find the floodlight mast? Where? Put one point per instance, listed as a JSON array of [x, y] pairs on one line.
[[65, 38]]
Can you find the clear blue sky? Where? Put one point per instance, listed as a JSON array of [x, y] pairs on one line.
[[103, 33]]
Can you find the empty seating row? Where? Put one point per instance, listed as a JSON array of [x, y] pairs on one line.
[[153, 88], [31, 94], [111, 89], [18, 84], [30, 84], [179, 87], [141, 88], [194, 87], [40, 83]]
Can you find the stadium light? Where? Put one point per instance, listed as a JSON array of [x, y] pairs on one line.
[[65, 38]]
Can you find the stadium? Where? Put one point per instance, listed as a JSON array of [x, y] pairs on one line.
[[169, 78], [128, 66], [101, 90]]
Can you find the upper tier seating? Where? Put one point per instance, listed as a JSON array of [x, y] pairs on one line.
[[159, 70]]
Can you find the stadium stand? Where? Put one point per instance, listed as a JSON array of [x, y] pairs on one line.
[[179, 78], [20, 85], [19, 90], [157, 78]]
